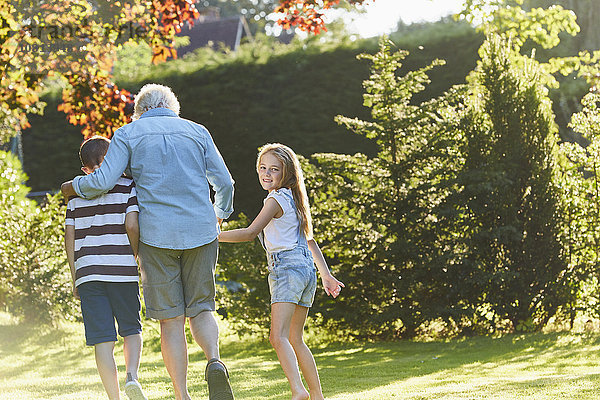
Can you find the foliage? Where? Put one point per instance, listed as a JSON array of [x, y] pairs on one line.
[[545, 22], [505, 211], [77, 41], [35, 284], [19, 88], [307, 14], [304, 14], [265, 76], [252, 10], [256, 12], [586, 12], [459, 216], [580, 181], [510, 18], [586, 64], [133, 60], [90, 97], [242, 269], [39, 39], [12, 180], [372, 214]]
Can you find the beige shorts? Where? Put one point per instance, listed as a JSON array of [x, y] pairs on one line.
[[178, 282]]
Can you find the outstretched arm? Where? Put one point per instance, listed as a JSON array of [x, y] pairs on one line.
[[331, 285], [270, 210]]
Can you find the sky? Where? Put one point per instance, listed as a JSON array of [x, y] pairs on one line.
[[382, 16]]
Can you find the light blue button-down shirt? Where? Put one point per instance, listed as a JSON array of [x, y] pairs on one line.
[[172, 161]]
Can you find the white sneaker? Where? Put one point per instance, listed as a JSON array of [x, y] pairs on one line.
[[133, 390]]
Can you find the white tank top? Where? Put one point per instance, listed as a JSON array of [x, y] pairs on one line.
[[282, 233]]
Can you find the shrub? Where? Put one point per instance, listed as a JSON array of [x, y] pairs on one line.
[[35, 282], [244, 293]]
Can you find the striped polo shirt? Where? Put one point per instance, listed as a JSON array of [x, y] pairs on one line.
[[102, 249]]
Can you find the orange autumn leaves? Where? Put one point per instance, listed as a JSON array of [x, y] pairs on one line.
[[169, 18], [77, 42], [307, 14]]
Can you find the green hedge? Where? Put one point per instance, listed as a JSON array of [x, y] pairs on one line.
[[265, 92]]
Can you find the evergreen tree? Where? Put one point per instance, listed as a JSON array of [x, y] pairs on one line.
[[373, 214], [511, 256]]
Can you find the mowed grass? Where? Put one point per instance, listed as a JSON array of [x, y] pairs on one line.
[[54, 363]]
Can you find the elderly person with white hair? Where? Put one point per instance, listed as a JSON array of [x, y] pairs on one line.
[[172, 161]]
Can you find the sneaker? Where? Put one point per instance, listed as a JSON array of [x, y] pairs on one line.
[[133, 389], [218, 381]]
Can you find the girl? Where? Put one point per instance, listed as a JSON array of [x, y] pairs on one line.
[[285, 229]]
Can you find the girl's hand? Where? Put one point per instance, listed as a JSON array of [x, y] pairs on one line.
[[332, 286]]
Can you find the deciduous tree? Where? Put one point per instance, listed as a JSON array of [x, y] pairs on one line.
[[76, 40], [581, 183]]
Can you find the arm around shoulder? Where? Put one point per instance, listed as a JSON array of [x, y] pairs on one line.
[[67, 190]]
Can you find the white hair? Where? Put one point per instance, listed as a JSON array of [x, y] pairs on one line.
[[152, 96]]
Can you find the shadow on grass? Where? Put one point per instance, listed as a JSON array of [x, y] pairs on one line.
[[354, 368], [42, 345], [344, 368]]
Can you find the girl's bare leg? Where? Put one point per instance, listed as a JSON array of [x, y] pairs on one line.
[[303, 353], [281, 317]]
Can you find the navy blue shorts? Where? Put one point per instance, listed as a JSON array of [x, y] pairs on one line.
[[102, 303]]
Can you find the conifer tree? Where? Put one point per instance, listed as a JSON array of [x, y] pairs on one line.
[[373, 213], [510, 205]]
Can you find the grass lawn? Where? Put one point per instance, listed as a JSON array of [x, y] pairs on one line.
[[54, 363]]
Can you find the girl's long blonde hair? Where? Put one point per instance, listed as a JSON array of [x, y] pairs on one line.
[[292, 178]]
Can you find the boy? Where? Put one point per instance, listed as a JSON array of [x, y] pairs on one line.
[[101, 240]]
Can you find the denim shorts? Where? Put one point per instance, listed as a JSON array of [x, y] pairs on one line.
[[292, 277], [102, 303]]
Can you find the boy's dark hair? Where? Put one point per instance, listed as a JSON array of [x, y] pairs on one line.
[[93, 150]]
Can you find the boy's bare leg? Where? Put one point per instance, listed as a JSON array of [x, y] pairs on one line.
[[174, 352], [281, 317], [303, 353], [132, 350], [107, 368], [205, 331]]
